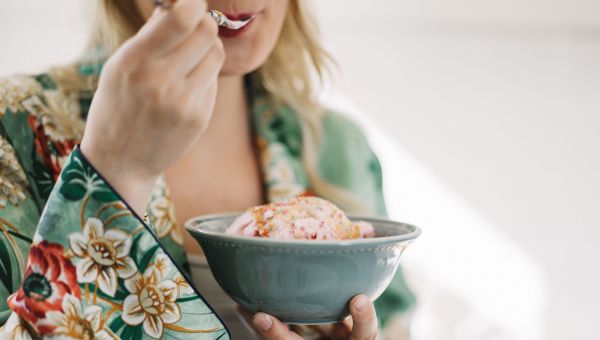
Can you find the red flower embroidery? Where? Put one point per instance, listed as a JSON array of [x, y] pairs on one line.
[[49, 277], [307, 193], [50, 151]]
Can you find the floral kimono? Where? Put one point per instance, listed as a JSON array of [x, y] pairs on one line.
[[77, 262]]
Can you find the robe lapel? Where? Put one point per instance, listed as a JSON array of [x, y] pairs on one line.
[[278, 139]]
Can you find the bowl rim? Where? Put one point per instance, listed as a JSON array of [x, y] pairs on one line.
[[413, 234]]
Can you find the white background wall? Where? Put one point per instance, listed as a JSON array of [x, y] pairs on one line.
[[486, 115], [493, 109]]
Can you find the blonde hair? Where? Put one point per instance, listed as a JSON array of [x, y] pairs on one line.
[[289, 77]]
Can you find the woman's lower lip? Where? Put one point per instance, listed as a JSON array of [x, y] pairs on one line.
[[225, 32]]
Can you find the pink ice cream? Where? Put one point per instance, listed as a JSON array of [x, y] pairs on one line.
[[301, 218]]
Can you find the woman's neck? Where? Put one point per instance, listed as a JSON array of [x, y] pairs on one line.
[[222, 164], [231, 114]]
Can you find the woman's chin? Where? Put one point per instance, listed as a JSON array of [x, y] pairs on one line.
[[241, 61], [237, 69]]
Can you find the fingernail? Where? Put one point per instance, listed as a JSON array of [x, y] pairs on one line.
[[262, 322], [361, 303]]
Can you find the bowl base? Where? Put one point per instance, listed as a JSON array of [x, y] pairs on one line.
[[311, 322]]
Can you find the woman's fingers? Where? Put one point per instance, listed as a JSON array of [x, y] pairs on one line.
[[363, 324], [208, 68], [170, 27], [188, 55], [201, 84], [363, 318], [342, 330], [271, 328]]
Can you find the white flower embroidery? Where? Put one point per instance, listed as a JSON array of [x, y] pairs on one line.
[[14, 89], [152, 300], [162, 215], [13, 329], [76, 323], [12, 177], [183, 287], [60, 117], [104, 255], [281, 179]]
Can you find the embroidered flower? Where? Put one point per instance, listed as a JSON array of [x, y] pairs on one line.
[[75, 323], [280, 177], [183, 287], [163, 217], [152, 300], [14, 329], [13, 182], [64, 120], [13, 90], [162, 213], [53, 153], [104, 255], [48, 279]]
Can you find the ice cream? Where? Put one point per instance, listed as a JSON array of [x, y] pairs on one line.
[[301, 218]]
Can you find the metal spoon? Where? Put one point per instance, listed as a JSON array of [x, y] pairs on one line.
[[222, 20]]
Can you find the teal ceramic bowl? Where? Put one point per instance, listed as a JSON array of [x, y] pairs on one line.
[[301, 282]]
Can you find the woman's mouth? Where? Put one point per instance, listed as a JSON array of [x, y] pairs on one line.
[[246, 18]]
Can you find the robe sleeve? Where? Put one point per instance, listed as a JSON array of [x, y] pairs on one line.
[[75, 259]]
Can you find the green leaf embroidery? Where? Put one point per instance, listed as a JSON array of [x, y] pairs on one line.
[[20, 236], [133, 252], [188, 298], [120, 294], [116, 324], [46, 81], [138, 332], [80, 179], [222, 335], [130, 332], [147, 257], [5, 267]]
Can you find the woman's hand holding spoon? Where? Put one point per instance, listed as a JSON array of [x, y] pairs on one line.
[[155, 97]]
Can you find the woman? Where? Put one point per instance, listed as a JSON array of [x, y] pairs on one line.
[[178, 105]]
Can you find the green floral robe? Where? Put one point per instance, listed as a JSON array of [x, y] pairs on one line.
[[76, 261]]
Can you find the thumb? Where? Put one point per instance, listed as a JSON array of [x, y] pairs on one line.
[[271, 328], [363, 318]]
